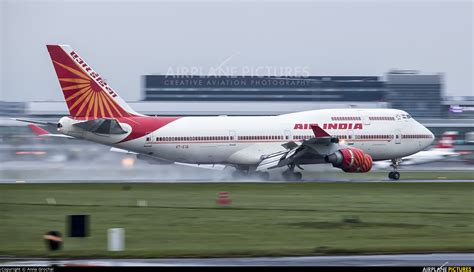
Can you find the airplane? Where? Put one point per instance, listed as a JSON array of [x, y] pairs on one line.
[[349, 139], [444, 149]]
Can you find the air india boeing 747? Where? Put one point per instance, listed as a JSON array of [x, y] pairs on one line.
[[349, 139]]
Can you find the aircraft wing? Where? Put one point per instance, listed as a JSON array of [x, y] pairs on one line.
[[154, 160], [123, 151], [310, 151], [219, 167], [44, 133], [35, 122]]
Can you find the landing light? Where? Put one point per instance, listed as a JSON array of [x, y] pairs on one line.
[[128, 162]]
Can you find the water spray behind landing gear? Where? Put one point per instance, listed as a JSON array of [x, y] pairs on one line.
[[247, 173], [290, 174]]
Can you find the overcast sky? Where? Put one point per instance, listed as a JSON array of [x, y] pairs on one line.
[[123, 40]]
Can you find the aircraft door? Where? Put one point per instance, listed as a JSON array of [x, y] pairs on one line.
[[350, 137], [232, 137], [364, 116], [148, 139], [287, 135], [398, 137], [365, 119]]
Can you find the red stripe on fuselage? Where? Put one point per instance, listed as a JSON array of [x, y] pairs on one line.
[[142, 125]]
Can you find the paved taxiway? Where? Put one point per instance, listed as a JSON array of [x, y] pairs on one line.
[[433, 260]]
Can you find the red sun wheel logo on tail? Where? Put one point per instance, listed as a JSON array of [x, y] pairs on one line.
[[86, 93]]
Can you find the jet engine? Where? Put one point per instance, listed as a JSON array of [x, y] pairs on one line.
[[350, 160]]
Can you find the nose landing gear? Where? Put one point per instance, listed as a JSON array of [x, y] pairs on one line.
[[394, 175]]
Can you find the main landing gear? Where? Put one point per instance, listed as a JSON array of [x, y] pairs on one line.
[[291, 175], [394, 175]]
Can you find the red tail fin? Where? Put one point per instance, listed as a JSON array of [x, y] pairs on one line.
[[447, 140], [87, 94]]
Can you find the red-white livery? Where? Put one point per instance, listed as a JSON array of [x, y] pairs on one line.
[[349, 139]]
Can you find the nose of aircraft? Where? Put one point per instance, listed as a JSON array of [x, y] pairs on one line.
[[428, 140]]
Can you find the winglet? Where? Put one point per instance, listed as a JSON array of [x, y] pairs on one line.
[[319, 132], [37, 130]]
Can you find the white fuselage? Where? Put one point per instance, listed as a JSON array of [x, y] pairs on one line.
[[244, 140]]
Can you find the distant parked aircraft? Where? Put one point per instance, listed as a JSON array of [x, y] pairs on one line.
[[443, 150]]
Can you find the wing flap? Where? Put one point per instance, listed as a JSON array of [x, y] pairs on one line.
[[308, 151], [271, 161]]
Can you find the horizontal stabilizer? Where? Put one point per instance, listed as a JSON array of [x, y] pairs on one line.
[[37, 130], [44, 133], [36, 122]]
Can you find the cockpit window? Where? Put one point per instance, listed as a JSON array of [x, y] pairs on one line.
[[406, 116]]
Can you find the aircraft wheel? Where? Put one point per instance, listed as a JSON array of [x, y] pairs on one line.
[[297, 176], [394, 175], [292, 176], [286, 175]]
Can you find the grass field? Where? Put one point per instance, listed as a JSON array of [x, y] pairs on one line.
[[405, 175], [264, 219]]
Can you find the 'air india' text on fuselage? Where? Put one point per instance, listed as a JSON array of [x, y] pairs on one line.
[[330, 126]]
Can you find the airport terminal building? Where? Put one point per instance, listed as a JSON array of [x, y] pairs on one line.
[[178, 95], [407, 90], [418, 94], [269, 89]]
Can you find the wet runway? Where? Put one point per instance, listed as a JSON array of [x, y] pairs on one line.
[[432, 260], [322, 180]]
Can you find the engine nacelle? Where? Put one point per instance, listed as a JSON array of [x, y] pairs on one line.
[[350, 160]]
